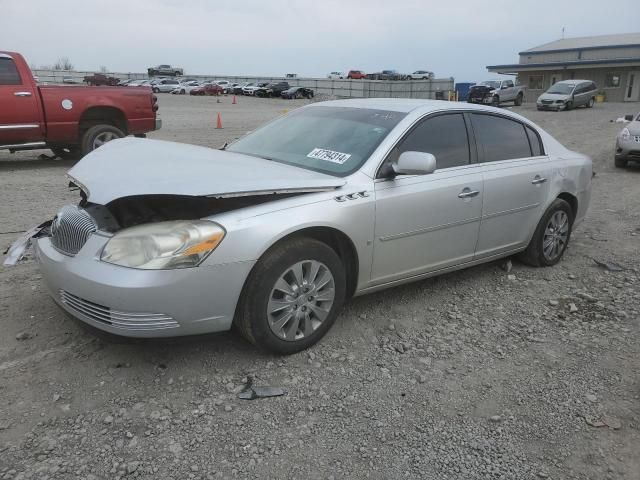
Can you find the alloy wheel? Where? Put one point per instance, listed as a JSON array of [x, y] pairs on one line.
[[301, 300], [103, 138], [556, 235]]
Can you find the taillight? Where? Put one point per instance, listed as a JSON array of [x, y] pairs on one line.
[[154, 103]]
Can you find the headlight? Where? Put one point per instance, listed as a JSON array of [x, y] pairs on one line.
[[625, 134], [163, 245]]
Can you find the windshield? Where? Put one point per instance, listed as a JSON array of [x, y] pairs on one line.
[[561, 88], [491, 83], [332, 140]]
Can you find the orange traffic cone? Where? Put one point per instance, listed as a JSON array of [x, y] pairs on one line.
[[219, 122], [233, 102]]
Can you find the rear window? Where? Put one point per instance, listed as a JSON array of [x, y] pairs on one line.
[[500, 138], [534, 141], [8, 72]]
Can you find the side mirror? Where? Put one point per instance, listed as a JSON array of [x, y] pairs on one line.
[[414, 163]]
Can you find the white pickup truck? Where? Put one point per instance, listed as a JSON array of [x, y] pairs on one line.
[[495, 92]]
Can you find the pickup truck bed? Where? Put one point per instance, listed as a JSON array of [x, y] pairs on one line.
[[71, 120]]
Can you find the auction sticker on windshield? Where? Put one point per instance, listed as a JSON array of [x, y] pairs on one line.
[[329, 155]]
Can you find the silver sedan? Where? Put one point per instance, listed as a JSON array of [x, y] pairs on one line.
[[628, 143], [274, 233]]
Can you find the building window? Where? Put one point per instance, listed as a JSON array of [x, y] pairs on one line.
[[612, 80], [535, 82]]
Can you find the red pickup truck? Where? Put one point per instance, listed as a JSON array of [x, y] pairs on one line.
[[70, 120]]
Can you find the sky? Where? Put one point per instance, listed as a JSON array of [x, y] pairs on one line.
[[306, 37]]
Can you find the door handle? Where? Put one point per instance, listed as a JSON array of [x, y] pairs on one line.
[[468, 193], [538, 180], [22, 94]]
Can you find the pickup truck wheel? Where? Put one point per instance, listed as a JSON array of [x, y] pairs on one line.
[[66, 153], [292, 296], [495, 101], [98, 135], [518, 101]]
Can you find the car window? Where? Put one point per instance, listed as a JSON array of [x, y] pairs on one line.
[[534, 142], [8, 72], [443, 136], [333, 140], [507, 83], [500, 138]]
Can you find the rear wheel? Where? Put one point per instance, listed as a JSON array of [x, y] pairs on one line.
[[591, 103], [518, 100], [621, 163], [98, 135], [292, 296], [551, 237]]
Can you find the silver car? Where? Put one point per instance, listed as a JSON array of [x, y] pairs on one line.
[[568, 94], [275, 232], [165, 85], [628, 143]]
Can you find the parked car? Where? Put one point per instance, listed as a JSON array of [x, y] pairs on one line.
[[125, 82], [69, 80], [165, 86], [251, 89], [140, 83], [274, 233], [70, 120], [356, 75], [496, 92], [297, 92], [185, 88], [165, 70], [568, 94], [272, 89], [420, 75], [336, 75], [238, 88], [628, 143], [291, 75], [100, 79], [386, 75], [207, 89]]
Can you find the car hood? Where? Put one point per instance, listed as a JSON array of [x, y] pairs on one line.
[[554, 96], [135, 166], [633, 127]]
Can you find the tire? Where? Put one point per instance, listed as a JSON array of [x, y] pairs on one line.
[[99, 133], [182, 92], [560, 214], [67, 153], [495, 101], [254, 319], [155, 90], [621, 163], [568, 106], [518, 101], [591, 102]]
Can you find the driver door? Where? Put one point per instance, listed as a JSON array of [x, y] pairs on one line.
[[425, 223]]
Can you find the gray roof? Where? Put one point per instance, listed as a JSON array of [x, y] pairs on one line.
[[599, 41]]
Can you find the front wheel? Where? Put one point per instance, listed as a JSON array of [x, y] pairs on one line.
[[155, 90], [568, 106], [551, 237], [98, 135], [495, 101], [292, 296]]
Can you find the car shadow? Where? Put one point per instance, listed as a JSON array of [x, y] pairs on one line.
[[35, 164]]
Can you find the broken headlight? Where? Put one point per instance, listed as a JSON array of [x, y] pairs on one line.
[[163, 245], [625, 134]]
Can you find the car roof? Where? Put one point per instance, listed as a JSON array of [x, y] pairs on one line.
[[405, 105], [572, 82]]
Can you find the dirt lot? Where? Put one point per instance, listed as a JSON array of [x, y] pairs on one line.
[[474, 375]]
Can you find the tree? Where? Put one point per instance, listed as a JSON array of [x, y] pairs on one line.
[[63, 63], [103, 69]]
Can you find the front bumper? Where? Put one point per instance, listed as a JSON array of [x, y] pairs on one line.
[[141, 303], [628, 150], [551, 106]]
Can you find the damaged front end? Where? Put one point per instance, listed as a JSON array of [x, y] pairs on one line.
[[480, 94]]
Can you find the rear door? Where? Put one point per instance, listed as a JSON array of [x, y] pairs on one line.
[[20, 114], [516, 173]]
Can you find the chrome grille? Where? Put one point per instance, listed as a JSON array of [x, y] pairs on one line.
[[115, 318], [636, 138], [71, 229]]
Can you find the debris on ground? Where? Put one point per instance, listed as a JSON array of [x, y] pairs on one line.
[[251, 392], [610, 266]]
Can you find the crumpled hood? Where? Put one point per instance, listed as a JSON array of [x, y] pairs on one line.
[[135, 166]]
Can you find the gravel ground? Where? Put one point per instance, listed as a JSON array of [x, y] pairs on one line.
[[479, 374]]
